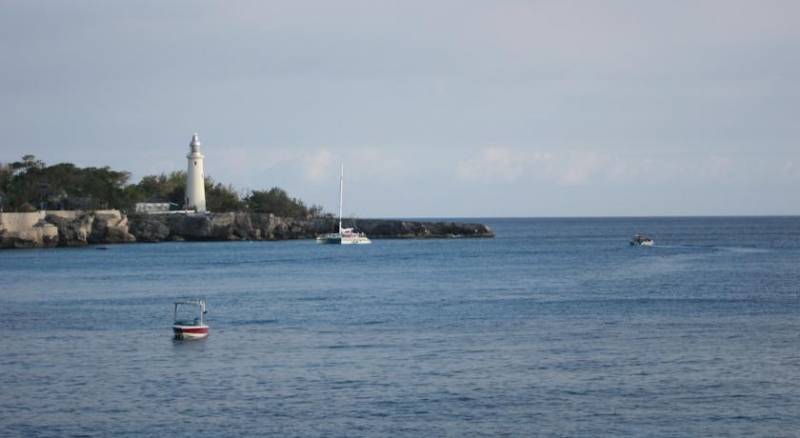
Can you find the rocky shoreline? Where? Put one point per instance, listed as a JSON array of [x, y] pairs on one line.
[[78, 228]]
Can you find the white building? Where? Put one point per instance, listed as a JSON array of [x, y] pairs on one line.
[[154, 207], [195, 178]]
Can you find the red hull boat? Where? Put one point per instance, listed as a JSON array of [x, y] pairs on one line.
[[187, 328], [190, 332]]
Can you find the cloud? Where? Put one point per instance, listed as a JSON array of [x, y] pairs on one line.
[[582, 167], [263, 165], [377, 162], [318, 165], [495, 163], [791, 169], [720, 166], [500, 163]]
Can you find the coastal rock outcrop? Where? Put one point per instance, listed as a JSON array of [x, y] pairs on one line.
[[257, 226], [82, 228], [78, 228], [46, 229], [72, 231], [110, 227], [38, 235], [208, 226], [149, 230], [393, 229]]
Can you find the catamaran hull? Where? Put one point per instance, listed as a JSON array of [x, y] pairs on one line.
[[356, 241], [190, 332], [344, 241]]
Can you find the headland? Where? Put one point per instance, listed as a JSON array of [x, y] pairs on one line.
[[71, 228]]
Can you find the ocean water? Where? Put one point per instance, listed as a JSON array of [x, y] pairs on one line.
[[554, 328]]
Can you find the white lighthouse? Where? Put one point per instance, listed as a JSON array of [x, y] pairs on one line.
[[195, 178]]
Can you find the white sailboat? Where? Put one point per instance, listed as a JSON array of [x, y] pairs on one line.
[[345, 236]]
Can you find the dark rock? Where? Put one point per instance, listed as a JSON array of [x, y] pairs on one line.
[[81, 228], [49, 238], [146, 229], [72, 232], [258, 226], [190, 226], [39, 235]]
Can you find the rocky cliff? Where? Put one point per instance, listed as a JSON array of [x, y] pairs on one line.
[[255, 226], [45, 229], [38, 234], [76, 228]]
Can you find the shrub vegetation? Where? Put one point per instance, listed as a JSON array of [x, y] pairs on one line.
[[30, 184]]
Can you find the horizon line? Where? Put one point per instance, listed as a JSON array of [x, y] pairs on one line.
[[679, 216]]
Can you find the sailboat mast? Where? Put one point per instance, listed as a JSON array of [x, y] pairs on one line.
[[341, 191]]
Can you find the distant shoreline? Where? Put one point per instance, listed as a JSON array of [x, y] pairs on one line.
[[75, 228], [482, 218]]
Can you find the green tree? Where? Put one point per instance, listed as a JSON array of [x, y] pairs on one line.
[[316, 211], [221, 197], [28, 162], [163, 188], [104, 186], [30, 183], [6, 173], [63, 185], [172, 188], [277, 202]]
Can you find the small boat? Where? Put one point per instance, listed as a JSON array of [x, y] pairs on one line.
[[190, 319], [641, 240], [345, 236]]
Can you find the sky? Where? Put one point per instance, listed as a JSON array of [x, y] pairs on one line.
[[436, 109]]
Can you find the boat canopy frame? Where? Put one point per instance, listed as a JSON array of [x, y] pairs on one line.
[[200, 303]]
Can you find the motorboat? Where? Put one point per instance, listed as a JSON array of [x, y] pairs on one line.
[[641, 240], [190, 318], [345, 236]]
